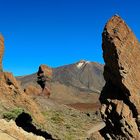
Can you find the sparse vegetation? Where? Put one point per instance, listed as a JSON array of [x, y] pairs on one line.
[[67, 123], [57, 118], [13, 114]]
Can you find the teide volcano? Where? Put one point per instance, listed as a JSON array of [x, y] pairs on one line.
[[84, 75], [80, 82]]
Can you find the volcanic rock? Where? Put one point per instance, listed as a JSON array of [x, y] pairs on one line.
[[120, 97], [33, 89], [9, 79], [84, 75], [12, 98], [44, 77], [1, 50]]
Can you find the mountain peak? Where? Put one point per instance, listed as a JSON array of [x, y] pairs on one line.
[[82, 63]]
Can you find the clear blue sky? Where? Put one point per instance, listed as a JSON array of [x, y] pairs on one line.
[[58, 32]]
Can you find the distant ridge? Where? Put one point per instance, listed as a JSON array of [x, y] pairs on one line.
[[84, 75], [74, 83]]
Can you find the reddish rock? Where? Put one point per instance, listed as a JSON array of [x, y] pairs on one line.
[[120, 96], [44, 78], [33, 90], [12, 97], [9, 79], [1, 50]]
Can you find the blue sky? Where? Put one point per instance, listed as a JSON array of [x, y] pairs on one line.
[[58, 32]]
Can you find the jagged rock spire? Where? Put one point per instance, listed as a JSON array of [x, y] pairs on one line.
[[1, 50], [120, 97]]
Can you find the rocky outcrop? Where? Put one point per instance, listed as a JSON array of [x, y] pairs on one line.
[[1, 50], [80, 82], [94, 134], [44, 77], [82, 76], [9, 79], [12, 97], [120, 96], [33, 89], [10, 131]]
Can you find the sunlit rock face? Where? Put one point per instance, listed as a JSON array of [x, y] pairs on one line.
[[120, 96], [44, 77], [1, 50]]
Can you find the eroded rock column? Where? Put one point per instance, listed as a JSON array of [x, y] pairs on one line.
[[120, 97], [1, 50], [44, 78]]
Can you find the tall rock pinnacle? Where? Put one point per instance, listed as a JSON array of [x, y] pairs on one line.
[[1, 50], [120, 96], [44, 78]]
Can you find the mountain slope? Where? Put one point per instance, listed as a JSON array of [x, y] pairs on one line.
[[83, 74], [80, 82]]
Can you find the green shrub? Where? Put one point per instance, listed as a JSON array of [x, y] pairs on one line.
[[13, 114], [57, 118]]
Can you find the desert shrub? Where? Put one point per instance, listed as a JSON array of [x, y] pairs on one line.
[[13, 114], [56, 118]]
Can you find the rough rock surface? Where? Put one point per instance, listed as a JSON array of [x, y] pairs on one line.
[[36, 90], [1, 50], [120, 96], [44, 77], [96, 136], [12, 96], [10, 131]]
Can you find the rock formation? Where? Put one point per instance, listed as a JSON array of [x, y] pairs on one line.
[[10, 131], [44, 77], [13, 97], [120, 97], [82, 76], [70, 84], [1, 50]]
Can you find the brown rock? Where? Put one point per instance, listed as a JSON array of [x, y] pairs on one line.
[[32, 90], [10, 131], [9, 79], [12, 97], [96, 136], [120, 96], [44, 78], [1, 50]]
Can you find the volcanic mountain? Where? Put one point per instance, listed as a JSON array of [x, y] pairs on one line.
[[80, 82], [84, 75]]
